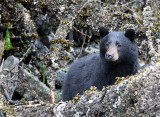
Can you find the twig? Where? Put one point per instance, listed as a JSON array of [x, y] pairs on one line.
[[84, 39], [81, 32], [83, 44], [52, 96], [24, 54]]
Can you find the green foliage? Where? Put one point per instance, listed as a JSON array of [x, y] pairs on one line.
[[29, 52], [8, 44], [120, 112]]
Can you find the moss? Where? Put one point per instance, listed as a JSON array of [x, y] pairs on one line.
[[7, 108], [93, 88], [76, 98], [66, 44], [120, 79], [86, 92], [35, 35], [64, 21], [44, 3]]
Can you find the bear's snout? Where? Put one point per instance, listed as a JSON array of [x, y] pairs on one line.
[[109, 56], [112, 54]]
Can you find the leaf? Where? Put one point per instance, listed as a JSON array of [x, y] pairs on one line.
[[8, 44]]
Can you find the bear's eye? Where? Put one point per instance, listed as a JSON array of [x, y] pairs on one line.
[[107, 44], [118, 44]]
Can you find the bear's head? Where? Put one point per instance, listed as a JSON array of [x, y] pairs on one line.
[[118, 46]]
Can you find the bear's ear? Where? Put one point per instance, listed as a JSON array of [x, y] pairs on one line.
[[130, 34], [103, 32]]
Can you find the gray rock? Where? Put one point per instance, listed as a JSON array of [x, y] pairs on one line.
[[90, 50], [61, 73], [33, 87], [39, 20], [50, 75], [10, 68], [40, 45], [142, 64]]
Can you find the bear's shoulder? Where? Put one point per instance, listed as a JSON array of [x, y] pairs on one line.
[[88, 60]]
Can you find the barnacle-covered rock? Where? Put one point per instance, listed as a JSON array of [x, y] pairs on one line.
[[136, 96]]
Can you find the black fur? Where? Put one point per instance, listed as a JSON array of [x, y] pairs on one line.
[[130, 34], [95, 70], [103, 32]]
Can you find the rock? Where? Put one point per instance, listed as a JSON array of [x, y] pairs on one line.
[[77, 51], [29, 27], [58, 95], [142, 64], [41, 53], [40, 19], [10, 70], [50, 76], [42, 23], [90, 50], [61, 73], [33, 69], [45, 40], [40, 45], [32, 87]]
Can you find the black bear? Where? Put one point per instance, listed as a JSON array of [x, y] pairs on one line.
[[118, 58]]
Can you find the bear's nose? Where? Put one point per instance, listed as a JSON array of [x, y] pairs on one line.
[[109, 56]]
